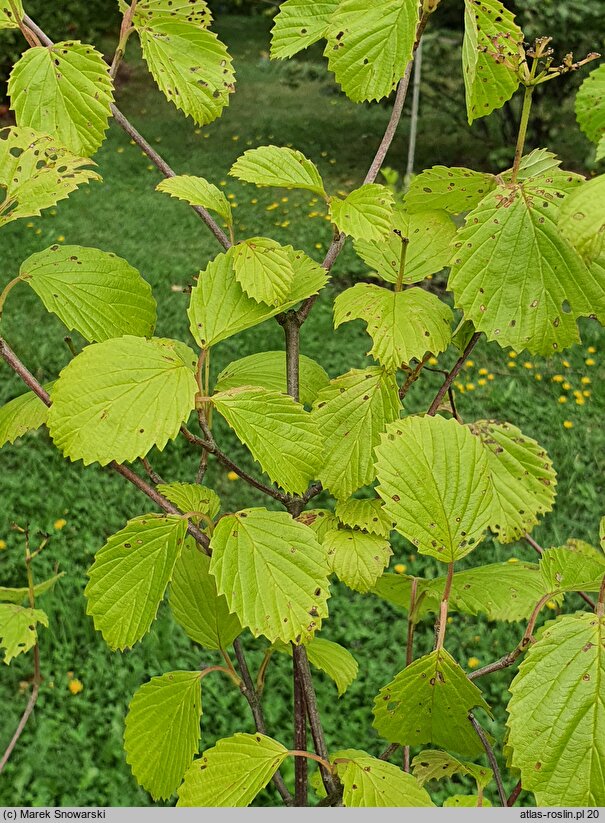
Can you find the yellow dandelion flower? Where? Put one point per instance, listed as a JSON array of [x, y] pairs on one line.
[[60, 524], [470, 387], [121, 150], [399, 568], [558, 378], [284, 199], [223, 183], [235, 138], [2, 545], [512, 364], [490, 377], [528, 365], [230, 197], [254, 201], [586, 381], [61, 238], [450, 620], [433, 361], [551, 604], [482, 382], [197, 131], [232, 475], [513, 559], [469, 364], [318, 246], [580, 401], [577, 393], [567, 424], [565, 363], [591, 350], [38, 231], [30, 225], [75, 686], [563, 399], [566, 386], [473, 662], [586, 393], [537, 376], [272, 207], [589, 361], [285, 224], [461, 389], [512, 354], [483, 372]]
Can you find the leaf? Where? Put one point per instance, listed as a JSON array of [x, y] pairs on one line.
[[403, 325], [582, 218], [590, 108], [194, 12], [18, 629], [7, 20], [190, 66], [280, 167], [36, 172], [320, 521], [233, 772], [501, 591], [281, 435], [429, 702], [365, 214], [18, 596], [195, 603], [219, 307], [130, 574], [488, 28], [192, 497], [351, 414], [329, 657], [430, 236], [470, 801], [454, 190], [198, 192], [162, 731], [23, 414], [356, 557], [539, 163], [567, 571], [298, 24], [434, 478], [558, 741], [367, 515], [117, 399], [370, 44], [370, 782], [264, 270], [432, 764], [273, 573], [64, 90], [521, 283], [94, 292], [523, 477], [268, 370]]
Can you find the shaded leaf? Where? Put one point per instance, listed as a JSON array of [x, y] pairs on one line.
[[454, 190], [433, 764], [19, 595], [357, 558], [298, 24], [590, 108], [23, 414], [18, 633], [368, 515], [192, 497]]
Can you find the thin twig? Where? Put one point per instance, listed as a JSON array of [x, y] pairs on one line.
[[491, 757], [301, 770], [155, 478], [389, 751], [453, 374], [441, 622], [409, 654], [26, 714], [512, 798]]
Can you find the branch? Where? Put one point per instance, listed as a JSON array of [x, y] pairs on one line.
[[441, 621], [512, 798], [151, 153], [28, 709], [491, 757], [453, 374], [301, 771]]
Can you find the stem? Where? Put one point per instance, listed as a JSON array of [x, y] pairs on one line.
[[301, 772], [262, 672], [310, 756], [491, 757], [409, 655], [405, 241], [413, 376], [389, 751], [229, 672], [512, 799], [601, 601], [25, 31], [434, 407], [126, 30], [442, 619], [6, 291], [292, 333], [155, 478], [414, 119], [527, 101]]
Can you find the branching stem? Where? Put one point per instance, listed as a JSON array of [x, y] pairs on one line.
[[491, 757]]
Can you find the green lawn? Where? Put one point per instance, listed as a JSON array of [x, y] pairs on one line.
[[71, 752]]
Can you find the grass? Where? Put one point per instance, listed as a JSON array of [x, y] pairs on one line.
[[71, 752]]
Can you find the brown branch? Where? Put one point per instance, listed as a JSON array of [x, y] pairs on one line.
[[28, 710], [155, 478], [301, 771], [409, 654], [441, 622], [389, 751], [491, 757], [512, 798], [453, 374]]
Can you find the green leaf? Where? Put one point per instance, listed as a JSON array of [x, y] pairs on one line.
[[539, 163], [219, 307], [273, 573], [281, 435], [130, 574], [280, 167], [433, 764], [488, 28], [368, 515], [18, 629], [590, 108], [602, 534], [195, 603], [329, 657], [194, 12], [582, 218], [516, 278], [454, 190], [558, 741], [7, 19], [94, 292], [117, 399], [365, 214], [501, 591], [24, 414], [370, 782], [36, 172], [64, 90], [430, 236], [18, 596], [198, 192], [192, 497], [403, 325], [434, 478], [320, 521], [298, 24], [264, 270], [162, 731], [268, 370], [429, 702], [370, 44], [568, 571], [190, 65], [523, 476], [351, 413], [357, 558], [233, 772], [469, 801]]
